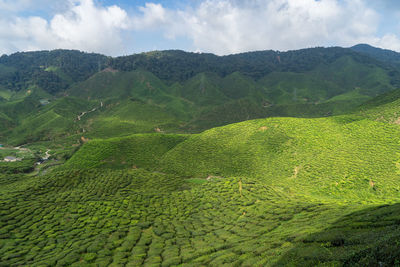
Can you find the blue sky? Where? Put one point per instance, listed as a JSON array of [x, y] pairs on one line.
[[218, 26]]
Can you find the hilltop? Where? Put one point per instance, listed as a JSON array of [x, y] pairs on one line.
[[378, 53]]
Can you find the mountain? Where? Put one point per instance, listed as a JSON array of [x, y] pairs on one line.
[[176, 91], [53, 71], [384, 55], [178, 65], [207, 91]]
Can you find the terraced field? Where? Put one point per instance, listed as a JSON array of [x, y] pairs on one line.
[[136, 217]]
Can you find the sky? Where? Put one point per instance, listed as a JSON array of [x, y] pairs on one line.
[[221, 27]]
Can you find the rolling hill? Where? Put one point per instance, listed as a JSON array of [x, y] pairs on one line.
[[278, 191], [335, 81], [337, 155], [171, 158]]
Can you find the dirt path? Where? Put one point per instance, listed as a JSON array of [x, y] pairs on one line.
[[79, 117]]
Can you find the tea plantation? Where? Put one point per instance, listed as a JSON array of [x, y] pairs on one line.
[[119, 161], [268, 192]]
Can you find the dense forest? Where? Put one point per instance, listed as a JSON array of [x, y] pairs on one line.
[[55, 70]]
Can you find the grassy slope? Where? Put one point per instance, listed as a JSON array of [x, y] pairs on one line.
[[126, 117], [56, 120], [136, 151], [17, 107], [349, 74], [137, 85], [289, 88], [331, 89], [327, 157], [208, 100], [307, 83], [384, 108], [138, 102]]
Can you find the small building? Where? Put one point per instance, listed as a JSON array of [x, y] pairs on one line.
[[10, 159]]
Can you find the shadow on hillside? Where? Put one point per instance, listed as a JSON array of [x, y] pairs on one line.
[[242, 110], [370, 237]]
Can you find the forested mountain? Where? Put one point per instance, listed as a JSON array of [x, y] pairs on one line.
[[177, 65], [53, 71], [378, 53], [174, 65]]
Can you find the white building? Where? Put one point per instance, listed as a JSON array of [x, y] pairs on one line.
[[10, 159]]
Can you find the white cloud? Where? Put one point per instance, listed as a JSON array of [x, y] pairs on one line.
[[153, 16], [388, 41], [218, 26], [83, 26], [229, 26], [89, 27]]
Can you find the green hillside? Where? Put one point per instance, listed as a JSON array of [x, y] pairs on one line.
[[128, 117], [111, 84], [271, 192], [378, 53], [136, 151], [384, 108], [337, 156], [209, 99], [5, 122], [170, 158], [53, 121], [184, 92]]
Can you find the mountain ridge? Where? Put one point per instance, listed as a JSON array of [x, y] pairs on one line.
[[199, 90]]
